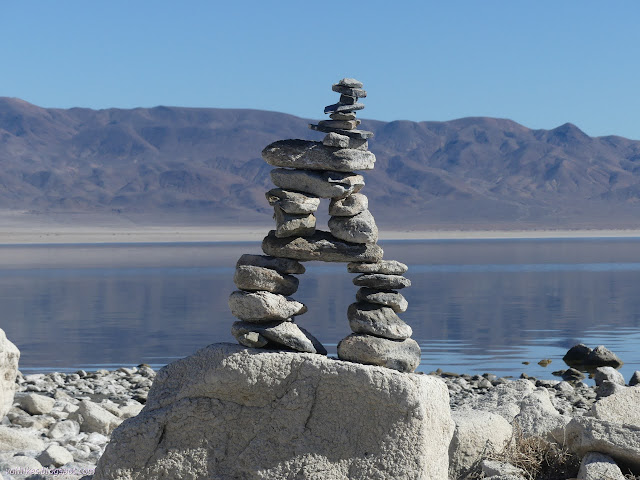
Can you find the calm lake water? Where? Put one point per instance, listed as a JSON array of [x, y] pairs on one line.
[[475, 305]]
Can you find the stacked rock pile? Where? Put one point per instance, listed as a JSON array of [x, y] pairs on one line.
[[307, 171]]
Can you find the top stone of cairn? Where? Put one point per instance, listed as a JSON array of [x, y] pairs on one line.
[[350, 82]]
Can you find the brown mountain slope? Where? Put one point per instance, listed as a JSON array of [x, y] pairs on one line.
[[205, 164]]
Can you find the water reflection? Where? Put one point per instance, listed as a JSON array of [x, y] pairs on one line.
[[475, 306]]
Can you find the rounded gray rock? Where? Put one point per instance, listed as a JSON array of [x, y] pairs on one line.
[[261, 307], [320, 184], [387, 267], [403, 356], [292, 202], [388, 298], [308, 155], [360, 228], [280, 265], [577, 355], [253, 279], [381, 281], [603, 357], [609, 374], [377, 320], [348, 206]]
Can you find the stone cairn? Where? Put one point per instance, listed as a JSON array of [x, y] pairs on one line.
[[306, 172]]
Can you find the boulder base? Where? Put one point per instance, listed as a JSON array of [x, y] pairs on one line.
[[9, 356], [228, 412]]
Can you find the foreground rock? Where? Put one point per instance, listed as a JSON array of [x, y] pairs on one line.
[[320, 246], [9, 356], [596, 466], [229, 412]]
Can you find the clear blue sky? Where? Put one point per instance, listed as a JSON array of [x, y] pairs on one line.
[[541, 63]]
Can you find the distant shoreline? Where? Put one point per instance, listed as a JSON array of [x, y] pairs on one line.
[[180, 234]]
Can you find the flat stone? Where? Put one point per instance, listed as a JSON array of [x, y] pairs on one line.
[[19, 439], [228, 412], [308, 155], [350, 82], [360, 228], [321, 246], [343, 116], [283, 334], [253, 279], [35, 404], [320, 184], [352, 92], [292, 202], [603, 357], [290, 225], [340, 124], [387, 267], [403, 356], [362, 134], [260, 307], [337, 140], [347, 100], [388, 298], [55, 455], [94, 418], [348, 206], [280, 265], [377, 320], [341, 107], [621, 442], [381, 281]]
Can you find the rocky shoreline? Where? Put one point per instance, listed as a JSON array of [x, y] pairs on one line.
[[60, 424]]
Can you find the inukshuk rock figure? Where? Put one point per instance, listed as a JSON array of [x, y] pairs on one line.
[[308, 171]]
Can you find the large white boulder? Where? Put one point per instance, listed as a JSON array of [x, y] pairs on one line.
[[539, 418], [622, 407], [477, 434], [230, 412], [9, 356], [596, 466]]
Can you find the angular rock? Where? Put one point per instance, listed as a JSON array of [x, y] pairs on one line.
[[377, 320], [320, 184], [55, 455], [9, 356], [387, 267], [403, 356], [350, 82], [228, 412], [597, 466], [603, 357], [609, 374], [607, 388], [65, 428], [495, 468], [347, 99], [477, 434], [339, 124], [260, 307], [286, 334], [292, 202], [35, 404], [320, 246], [21, 462], [12, 439], [577, 355], [351, 91], [572, 375], [93, 418], [249, 339], [621, 442], [539, 418], [289, 225], [381, 281], [280, 265], [253, 279], [388, 298], [308, 155], [336, 140], [360, 228], [621, 407], [361, 134], [343, 116], [635, 378], [348, 206]]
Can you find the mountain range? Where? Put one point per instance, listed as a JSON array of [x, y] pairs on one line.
[[203, 165]]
